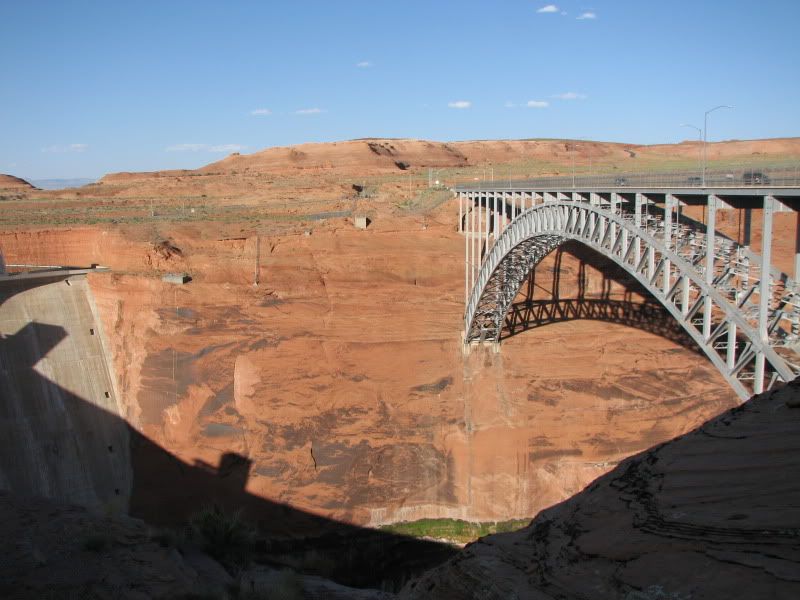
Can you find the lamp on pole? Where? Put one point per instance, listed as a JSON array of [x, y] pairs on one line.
[[705, 137], [699, 139], [433, 180]]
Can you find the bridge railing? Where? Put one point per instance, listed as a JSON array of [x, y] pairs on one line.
[[735, 177]]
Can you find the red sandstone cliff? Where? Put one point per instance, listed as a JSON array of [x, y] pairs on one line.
[[341, 376]]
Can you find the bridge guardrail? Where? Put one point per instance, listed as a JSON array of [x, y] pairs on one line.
[[741, 176]]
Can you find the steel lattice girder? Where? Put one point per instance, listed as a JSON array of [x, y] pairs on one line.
[[661, 270]]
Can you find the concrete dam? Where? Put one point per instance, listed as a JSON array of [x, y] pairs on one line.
[[61, 435]]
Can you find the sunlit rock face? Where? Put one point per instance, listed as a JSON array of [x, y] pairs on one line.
[[341, 383]]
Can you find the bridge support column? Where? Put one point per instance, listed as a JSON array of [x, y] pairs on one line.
[[497, 202], [476, 237], [687, 286], [614, 202], [462, 217], [731, 349], [797, 248], [471, 246], [492, 214], [711, 232], [460, 212], [669, 205], [764, 290], [488, 225], [637, 219]]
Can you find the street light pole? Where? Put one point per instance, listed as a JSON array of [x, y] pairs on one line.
[[705, 137], [572, 154], [699, 139], [589, 153]]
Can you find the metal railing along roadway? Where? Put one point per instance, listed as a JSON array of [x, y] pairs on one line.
[[740, 176]]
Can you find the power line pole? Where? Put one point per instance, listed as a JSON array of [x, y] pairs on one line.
[[258, 257]]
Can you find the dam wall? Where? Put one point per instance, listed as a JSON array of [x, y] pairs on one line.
[[61, 435]]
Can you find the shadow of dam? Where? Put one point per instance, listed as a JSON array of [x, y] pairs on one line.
[[61, 437]]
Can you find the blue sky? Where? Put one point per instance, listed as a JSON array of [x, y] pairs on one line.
[[88, 88]]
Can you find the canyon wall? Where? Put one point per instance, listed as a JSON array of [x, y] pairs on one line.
[[340, 378]]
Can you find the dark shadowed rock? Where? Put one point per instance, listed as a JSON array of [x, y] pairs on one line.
[[712, 514], [55, 550]]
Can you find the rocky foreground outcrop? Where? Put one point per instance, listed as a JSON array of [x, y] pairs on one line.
[[52, 550], [712, 514]]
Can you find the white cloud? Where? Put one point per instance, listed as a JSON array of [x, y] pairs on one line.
[[570, 96], [460, 104], [70, 148], [226, 148], [261, 112], [549, 8], [205, 148], [537, 104], [310, 111], [510, 104], [586, 15], [364, 64]]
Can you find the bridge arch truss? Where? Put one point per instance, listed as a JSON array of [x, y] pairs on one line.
[[747, 325]]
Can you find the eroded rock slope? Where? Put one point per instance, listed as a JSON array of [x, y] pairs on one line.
[[712, 514]]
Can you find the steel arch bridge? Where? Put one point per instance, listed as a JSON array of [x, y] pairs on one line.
[[747, 325]]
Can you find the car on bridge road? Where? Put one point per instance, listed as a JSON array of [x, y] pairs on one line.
[[620, 182], [754, 178], [695, 180]]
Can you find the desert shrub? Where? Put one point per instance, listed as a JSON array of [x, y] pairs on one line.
[[223, 535], [96, 542], [286, 585], [166, 538], [320, 564]]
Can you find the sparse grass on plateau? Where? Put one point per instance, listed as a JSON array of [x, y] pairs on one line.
[[303, 199], [425, 200], [453, 529]]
